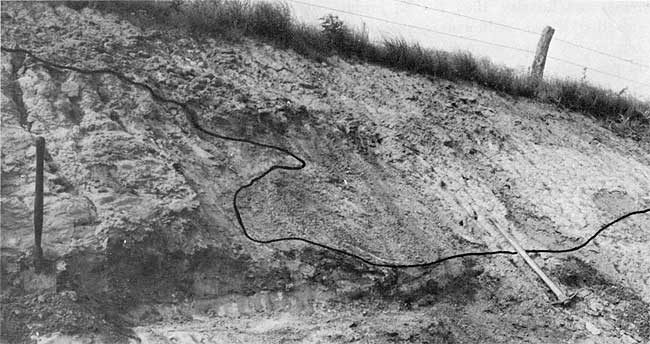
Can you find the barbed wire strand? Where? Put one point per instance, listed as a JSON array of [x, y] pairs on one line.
[[603, 53], [467, 17], [467, 38], [559, 39], [597, 70], [413, 26]]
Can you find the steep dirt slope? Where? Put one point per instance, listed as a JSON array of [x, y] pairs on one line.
[[142, 241]]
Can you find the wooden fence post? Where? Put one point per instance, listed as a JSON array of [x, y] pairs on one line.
[[537, 70], [38, 203]]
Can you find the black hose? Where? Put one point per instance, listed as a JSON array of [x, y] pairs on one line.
[[192, 118]]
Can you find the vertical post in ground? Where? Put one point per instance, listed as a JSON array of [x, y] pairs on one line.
[[537, 70], [38, 202]]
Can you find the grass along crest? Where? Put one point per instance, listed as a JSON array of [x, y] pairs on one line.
[[274, 23]]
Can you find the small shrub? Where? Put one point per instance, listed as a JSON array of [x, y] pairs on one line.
[[333, 29]]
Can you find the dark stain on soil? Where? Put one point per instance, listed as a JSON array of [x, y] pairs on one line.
[[629, 310], [576, 273], [460, 287]]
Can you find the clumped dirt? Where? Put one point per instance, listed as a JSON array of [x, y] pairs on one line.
[[141, 240], [31, 316]]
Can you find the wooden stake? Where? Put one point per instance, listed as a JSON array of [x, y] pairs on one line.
[[38, 203], [561, 297], [537, 70]]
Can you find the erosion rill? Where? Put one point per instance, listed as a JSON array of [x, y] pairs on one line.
[[38, 203]]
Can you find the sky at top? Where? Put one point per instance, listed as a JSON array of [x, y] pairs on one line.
[[619, 28]]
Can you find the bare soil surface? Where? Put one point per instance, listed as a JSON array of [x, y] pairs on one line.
[[142, 244]]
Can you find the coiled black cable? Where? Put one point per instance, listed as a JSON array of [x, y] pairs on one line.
[[193, 120]]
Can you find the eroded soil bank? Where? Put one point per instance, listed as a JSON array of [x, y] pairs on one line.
[[141, 240]]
